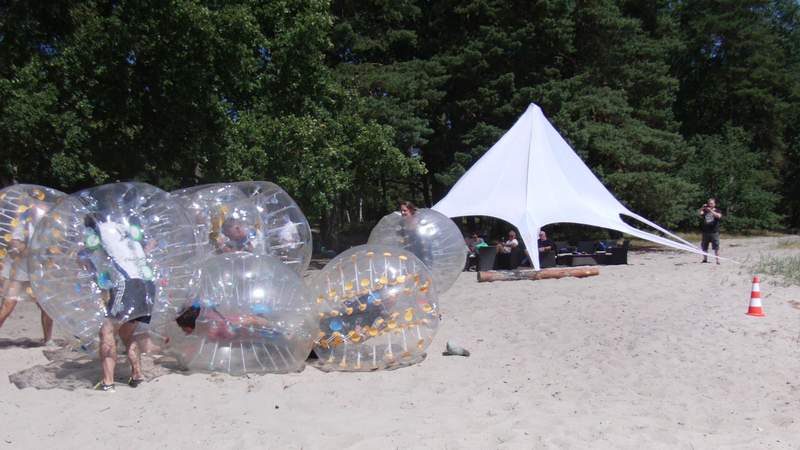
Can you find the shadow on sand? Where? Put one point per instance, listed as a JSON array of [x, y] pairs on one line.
[[69, 369], [20, 343]]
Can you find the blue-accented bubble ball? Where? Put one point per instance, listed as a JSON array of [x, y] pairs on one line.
[[22, 206], [378, 309], [227, 219], [110, 253], [248, 314], [431, 236], [287, 234]]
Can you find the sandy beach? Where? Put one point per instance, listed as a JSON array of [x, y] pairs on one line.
[[655, 354]]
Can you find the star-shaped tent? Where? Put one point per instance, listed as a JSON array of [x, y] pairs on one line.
[[531, 178]]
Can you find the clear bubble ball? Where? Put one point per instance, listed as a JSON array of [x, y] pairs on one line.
[[110, 253], [247, 314], [430, 235]]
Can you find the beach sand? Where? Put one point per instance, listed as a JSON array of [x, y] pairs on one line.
[[655, 354]]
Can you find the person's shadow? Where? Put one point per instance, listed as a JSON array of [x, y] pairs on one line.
[[19, 343], [72, 369]]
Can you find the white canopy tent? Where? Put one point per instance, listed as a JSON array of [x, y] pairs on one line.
[[531, 177]]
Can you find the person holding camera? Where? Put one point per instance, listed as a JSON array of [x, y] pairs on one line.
[[710, 227]]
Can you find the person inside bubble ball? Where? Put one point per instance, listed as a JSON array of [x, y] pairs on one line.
[[407, 209], [211, 323], [409, 235], [131, 291], [16, 284], [289, 234], [234, 237]]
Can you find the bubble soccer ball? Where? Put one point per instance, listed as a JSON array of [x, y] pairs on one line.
[[227, 220], [432, 237], [287, 234], [248, 314], [110, 253], [378, 310], [22, 206]]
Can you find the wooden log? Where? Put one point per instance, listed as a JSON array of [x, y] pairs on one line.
[[544, 274]]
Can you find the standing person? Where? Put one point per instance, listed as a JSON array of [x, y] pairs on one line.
[[130, 298], [710, 227], [17, 286]]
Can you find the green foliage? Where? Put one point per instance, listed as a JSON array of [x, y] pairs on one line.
[[351, 105]]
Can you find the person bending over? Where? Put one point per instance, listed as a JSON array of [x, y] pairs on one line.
[[130, 288]]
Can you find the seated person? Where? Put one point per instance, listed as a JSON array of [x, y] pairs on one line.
[[544, 244], [510, 243], [504, 250], [474, 242]]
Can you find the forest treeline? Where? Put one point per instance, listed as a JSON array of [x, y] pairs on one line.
[[350, 105]]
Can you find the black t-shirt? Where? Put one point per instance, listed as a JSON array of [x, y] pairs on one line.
[[710, 223], [547, 243]]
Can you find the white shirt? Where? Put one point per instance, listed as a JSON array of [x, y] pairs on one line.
[[508, 245], [127, 254]]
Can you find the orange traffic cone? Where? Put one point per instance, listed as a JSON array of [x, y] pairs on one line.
[[755, 308]]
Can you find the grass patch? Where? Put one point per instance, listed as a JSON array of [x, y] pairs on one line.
[[788, 244], [787, 267]]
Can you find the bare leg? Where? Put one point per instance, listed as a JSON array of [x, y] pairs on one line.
[[47, 326], [132, 348], [147, 345], [108, 351], [716, 255], [11, 292], [6, 308]]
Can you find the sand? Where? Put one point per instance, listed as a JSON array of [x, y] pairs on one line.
[[655, 354]]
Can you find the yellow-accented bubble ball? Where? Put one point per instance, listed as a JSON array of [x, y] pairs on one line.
[[377, 310], [431, 236], [247, 314], [22, 206]]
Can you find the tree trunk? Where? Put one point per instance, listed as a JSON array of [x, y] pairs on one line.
[[426, 190], [533, 275]]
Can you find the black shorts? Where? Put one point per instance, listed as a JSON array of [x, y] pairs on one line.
[[131, 299], [710, 238]]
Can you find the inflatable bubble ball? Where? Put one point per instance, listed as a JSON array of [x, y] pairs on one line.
[[22, 206], [431, 236], [227, 219], [247, 314], [287, 234], [378, 310], [110, 253]]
